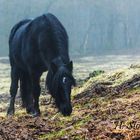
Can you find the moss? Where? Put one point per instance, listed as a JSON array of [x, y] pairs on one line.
[[96, 73], [137, 115], [66, 131], [133, 91], [52, 135], [91, 75], [117, 116]]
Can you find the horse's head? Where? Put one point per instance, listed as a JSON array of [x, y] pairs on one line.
[[62, 83]]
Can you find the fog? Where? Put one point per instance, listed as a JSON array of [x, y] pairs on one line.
[[95, 27]]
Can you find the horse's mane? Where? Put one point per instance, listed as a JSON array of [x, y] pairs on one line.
[[59, 36]]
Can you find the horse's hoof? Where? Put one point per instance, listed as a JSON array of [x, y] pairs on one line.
[[36, 114], [10, 112], [30, 111]]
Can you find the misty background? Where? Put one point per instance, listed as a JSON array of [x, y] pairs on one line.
[[95, 27]]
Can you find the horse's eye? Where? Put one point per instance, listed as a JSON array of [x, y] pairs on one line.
[[64, 80]]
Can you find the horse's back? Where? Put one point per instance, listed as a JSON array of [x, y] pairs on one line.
[[14, 41], [16, 35]]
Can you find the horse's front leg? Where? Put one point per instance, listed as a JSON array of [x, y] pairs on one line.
[[13, 89], [27, 94], [36, 93]]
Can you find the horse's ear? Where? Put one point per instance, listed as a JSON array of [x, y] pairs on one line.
[[70, 66], [53, 67]]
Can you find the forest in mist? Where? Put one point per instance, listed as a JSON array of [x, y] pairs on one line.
[[94, 26]]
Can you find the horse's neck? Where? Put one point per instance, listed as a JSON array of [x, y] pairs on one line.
[[58, 61]]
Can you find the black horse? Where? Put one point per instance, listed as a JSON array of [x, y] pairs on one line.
[[36, 46]]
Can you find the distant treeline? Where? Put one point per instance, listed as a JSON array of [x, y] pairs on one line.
[[94, 26]]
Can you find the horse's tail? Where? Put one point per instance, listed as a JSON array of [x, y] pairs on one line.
[[14, 29], [23, 89]]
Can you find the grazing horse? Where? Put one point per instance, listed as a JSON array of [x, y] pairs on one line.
[[36, 46]]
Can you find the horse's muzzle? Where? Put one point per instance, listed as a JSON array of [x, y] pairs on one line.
[[66, 109]]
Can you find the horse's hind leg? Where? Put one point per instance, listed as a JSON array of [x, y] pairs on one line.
[[23, 90], [13, 89]]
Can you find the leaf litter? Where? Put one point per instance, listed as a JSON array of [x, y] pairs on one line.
[[102, 110]]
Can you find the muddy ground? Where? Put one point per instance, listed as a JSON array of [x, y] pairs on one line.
[[106, 105]]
